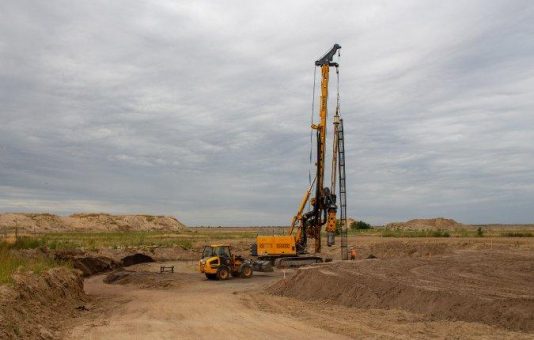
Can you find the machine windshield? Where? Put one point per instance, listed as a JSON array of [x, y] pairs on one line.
[[222, 251], [208, 252], [216, 251]]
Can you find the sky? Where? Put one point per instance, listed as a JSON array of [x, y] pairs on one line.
[[202, 109]]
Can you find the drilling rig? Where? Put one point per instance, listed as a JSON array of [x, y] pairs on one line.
[[291, 250]]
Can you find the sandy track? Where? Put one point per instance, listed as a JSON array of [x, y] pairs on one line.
[[195, 309]]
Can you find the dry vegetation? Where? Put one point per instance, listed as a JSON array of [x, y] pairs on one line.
[[12, 262]]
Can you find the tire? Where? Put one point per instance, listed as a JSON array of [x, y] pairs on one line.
[[211, 276], [246, 271], [223, 273]]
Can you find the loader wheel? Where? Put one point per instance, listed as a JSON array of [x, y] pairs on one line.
[[223, 273], [246, 271], [211, 276]]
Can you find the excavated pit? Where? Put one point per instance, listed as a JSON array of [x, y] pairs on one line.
[[130, 260]]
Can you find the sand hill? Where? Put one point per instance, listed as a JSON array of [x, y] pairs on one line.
[[427, 223], [83, 222]]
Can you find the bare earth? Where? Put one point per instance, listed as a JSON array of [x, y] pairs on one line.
[[143, 304], [195, 309]]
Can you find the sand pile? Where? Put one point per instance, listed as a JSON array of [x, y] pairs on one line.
[[490, 288], [37, 305], [86, 263], [32, 222], [439, 223], [84, 222]]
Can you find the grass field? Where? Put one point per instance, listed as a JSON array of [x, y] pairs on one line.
[[11, 261], [115, 240], [188, 238]]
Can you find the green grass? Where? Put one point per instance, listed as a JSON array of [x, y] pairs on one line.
[[97, 240], [126, 239], [11, 261], [25, 242]]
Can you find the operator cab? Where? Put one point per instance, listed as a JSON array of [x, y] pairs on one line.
[[216, 250]]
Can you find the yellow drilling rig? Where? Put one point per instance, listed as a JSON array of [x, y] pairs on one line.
[[292, 249]]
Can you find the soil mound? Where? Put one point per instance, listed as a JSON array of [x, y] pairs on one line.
[[106, 222], [439, 223], [494, 289], [32, 222], [37, 305], [85, 222], [88, 264], [143, 279]]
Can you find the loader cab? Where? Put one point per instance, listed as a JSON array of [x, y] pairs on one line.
[[216, 251]]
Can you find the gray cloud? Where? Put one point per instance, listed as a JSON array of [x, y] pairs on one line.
[[201, 109]]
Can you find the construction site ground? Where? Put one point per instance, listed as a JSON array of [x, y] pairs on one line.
[[415, 288]]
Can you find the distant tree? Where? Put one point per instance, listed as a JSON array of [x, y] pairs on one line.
[[338, 227], [360, 225], [480, 232]]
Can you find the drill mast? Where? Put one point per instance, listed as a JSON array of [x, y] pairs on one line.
[[324, 208]]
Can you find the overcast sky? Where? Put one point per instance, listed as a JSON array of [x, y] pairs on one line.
[[201, 109]]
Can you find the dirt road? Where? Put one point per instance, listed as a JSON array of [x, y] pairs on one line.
[[193, 308], [143, 304]]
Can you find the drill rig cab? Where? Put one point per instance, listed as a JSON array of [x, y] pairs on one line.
[[290, 250]]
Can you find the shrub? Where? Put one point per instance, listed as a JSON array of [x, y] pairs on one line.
[[440, 233], [338, 227], [358, 225]]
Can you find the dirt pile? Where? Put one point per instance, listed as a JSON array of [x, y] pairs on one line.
[[106, 222], [439, 223], [32, 222], [490, 288], [146, 279], [36, 306], [88, 264], [91, 265], [88, 222]]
